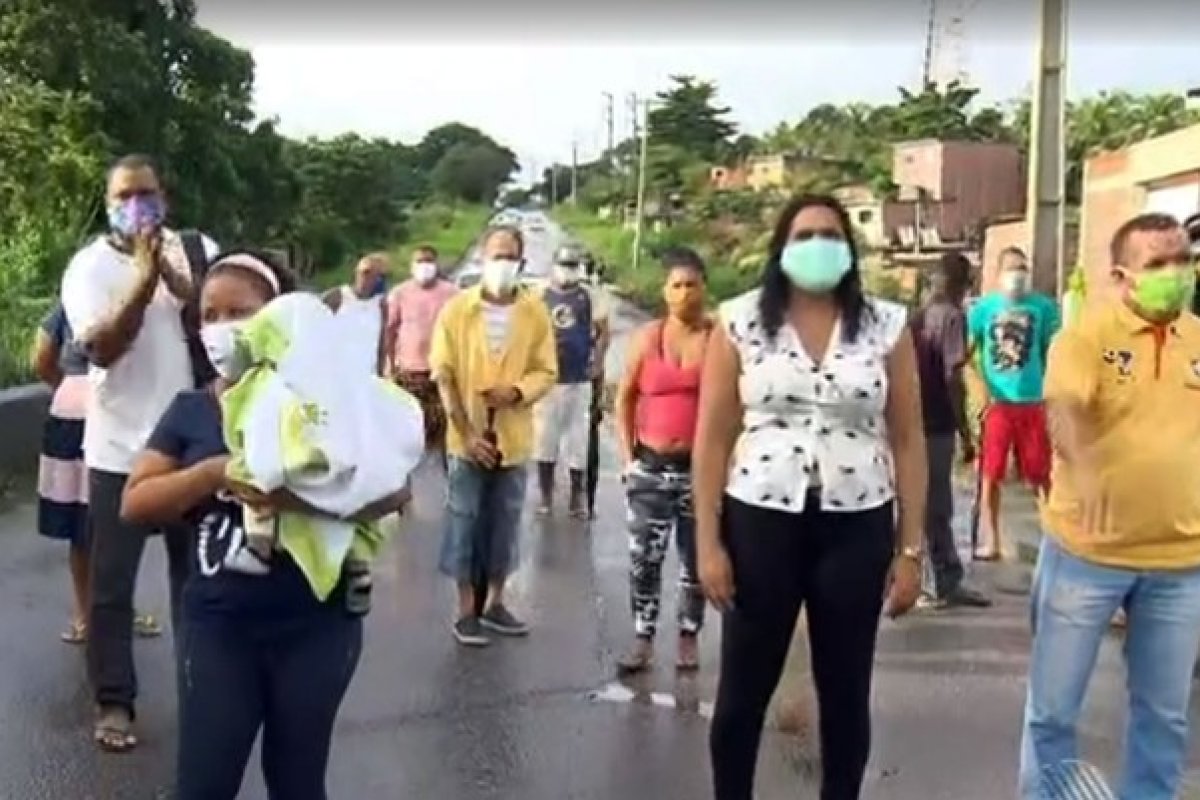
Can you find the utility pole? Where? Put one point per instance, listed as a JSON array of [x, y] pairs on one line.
[[641, 188], [927, 58], [610, 125], [1047, 152], [630, 182], [574, 173]]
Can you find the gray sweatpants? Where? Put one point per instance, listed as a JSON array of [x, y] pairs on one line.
[[939, 515]]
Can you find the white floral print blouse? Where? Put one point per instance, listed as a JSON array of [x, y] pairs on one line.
[[810, 425]]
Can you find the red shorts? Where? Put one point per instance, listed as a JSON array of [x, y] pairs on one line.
[[1020, 427]]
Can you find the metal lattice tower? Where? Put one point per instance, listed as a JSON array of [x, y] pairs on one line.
[[946, 42]]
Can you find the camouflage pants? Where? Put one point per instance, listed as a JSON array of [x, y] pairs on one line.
[[659, 497]]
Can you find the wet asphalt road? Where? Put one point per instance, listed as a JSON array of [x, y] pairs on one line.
[[538, 719]]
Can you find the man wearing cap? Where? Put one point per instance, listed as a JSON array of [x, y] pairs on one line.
[[561, 419]]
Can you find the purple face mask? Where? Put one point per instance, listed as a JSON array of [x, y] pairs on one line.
[[138, 214]]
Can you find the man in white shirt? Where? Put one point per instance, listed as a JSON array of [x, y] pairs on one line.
[[124, 294], [363, 307]]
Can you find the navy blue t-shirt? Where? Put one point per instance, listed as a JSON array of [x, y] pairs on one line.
[[71, 358], [190, 432], [571, 311]]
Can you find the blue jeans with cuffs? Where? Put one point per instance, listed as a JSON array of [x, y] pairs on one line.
[[483, 520], [1073, 603]]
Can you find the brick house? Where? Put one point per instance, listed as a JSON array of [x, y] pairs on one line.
[[957, 186], [1160, 174]]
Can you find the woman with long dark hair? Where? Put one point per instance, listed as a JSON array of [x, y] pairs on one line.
[[259, 649], [810, 490]]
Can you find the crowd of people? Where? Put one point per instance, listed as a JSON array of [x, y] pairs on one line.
[[797, 443]]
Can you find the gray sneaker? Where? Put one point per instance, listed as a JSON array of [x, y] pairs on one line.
[[501, 620], [469, 633]]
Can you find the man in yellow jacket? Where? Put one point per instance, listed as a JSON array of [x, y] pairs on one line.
[[493, 357]]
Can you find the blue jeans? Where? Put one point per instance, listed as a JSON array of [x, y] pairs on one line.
[[1073, 605], [483, 520], [261, 652]]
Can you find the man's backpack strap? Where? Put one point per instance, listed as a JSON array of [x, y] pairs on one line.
[[193, 247]]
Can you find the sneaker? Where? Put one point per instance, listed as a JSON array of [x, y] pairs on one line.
[[966, 597], [501, 620], [469, 633], [929, 602]]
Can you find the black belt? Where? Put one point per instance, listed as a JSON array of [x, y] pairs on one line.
[[656, 460]]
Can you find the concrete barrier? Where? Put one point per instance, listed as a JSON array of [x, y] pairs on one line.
[[22, 411]]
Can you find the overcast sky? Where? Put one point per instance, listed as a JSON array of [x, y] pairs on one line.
[[535, 81]]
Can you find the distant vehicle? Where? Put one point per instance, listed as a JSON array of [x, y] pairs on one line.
[[468, 278], [533, 282], [471, 276]]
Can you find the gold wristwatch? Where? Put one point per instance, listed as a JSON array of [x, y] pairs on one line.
[[916, 554]]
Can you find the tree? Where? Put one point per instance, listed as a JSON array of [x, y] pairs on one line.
[[688, 118], [473, 173], [444, 138], [1107, 121]]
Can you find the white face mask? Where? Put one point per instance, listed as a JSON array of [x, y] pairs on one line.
[[500, 275], [220, 343], [1015, 282], [567, 275], [424, 271]]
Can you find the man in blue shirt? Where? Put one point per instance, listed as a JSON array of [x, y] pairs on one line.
[[561, 419], [1010, 330]]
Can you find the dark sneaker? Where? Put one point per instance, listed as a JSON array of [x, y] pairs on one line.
[[501, 620], [469, 633], [966, 597]]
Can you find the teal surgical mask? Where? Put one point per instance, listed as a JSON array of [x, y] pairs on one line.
[[816, 265]]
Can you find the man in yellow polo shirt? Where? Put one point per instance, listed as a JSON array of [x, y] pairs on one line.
[[1122, 520], [493, 357]]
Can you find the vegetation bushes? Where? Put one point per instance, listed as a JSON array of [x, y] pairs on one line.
[[81, 84], [830, 146]]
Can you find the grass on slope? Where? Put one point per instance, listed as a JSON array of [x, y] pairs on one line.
[[450, 229], [613, 244]]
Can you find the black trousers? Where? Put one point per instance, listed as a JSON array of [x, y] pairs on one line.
[[834, 564], [115, 558], [267, 657], [593, 453]]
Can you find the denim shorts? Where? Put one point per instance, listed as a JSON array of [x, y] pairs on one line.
[[483, 520]]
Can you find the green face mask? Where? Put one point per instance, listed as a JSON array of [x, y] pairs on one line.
[[1164, 292]]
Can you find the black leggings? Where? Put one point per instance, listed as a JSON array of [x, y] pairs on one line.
[[837, 565]]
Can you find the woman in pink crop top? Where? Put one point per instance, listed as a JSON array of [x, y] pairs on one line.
[[656, 418]]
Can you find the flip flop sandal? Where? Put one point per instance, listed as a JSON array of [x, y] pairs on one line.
[[688, 662], [634, 663], [113, 733], [76, 634], [146, 626]]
